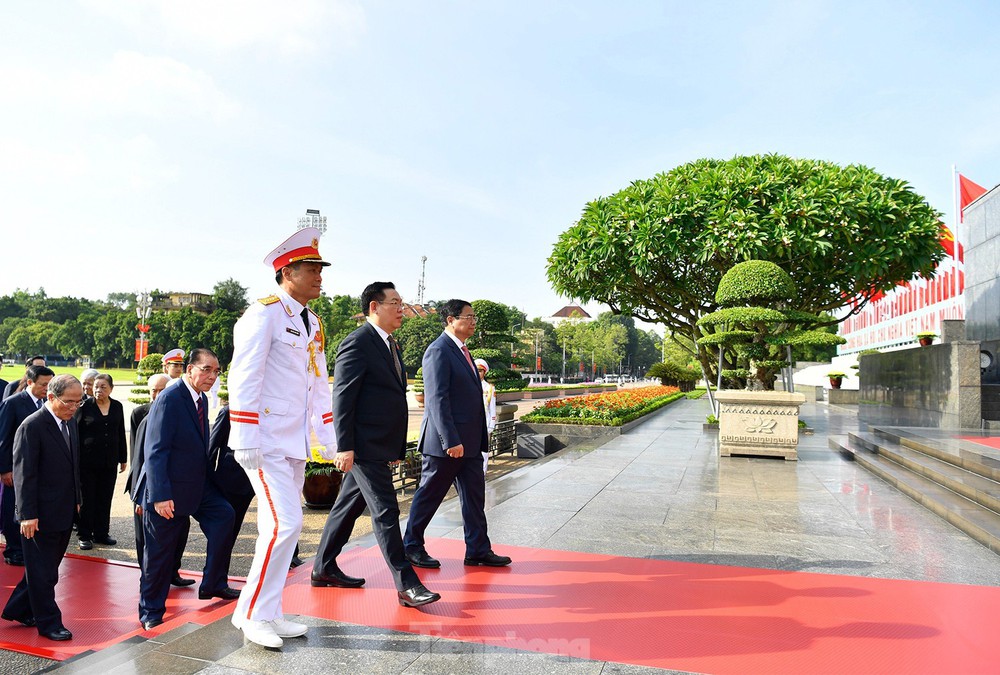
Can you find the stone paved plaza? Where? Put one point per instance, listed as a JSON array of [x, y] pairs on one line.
[[659, 491]]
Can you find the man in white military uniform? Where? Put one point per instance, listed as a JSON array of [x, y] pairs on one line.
[[278, 390]]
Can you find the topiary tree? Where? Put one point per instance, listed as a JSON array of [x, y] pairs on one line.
[[757, 323], [674, 375], [657, 249]]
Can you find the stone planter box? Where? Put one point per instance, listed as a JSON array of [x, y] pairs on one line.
[[844, 396], [568, 434], [759, 423], [550, 393], [507, 396]]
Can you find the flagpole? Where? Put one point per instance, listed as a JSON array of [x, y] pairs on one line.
[[957, 220]]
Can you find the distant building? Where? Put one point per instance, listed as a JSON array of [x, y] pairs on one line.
[[199, 302], [571, 313]]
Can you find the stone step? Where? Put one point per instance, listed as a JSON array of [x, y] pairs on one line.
[[126, 652], [973, 457], [973, 486], [980, 523]]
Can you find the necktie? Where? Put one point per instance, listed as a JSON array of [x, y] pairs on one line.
[[65, 433], [305, 318], [394, 349], [38, 404], [468, 357], [201, 416]]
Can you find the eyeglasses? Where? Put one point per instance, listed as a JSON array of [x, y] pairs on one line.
[[395, 304], [71, 404], [469, 317], [208, 370]]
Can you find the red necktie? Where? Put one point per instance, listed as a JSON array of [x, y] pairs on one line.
[[468, 357], [201, 416]]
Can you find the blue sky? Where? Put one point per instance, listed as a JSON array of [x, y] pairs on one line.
[[172, 143]]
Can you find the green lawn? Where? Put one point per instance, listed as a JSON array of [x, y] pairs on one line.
[[119, 375]]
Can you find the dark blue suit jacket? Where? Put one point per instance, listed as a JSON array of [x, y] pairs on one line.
[[13, 411], [453, 403], [176, 451]]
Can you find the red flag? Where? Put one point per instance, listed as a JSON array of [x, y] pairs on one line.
[[948, 242], [970, 192]]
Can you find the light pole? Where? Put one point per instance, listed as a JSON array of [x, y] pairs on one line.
[[143, 308], [563, 378]]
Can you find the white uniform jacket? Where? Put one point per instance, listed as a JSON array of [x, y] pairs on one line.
[[278, 383]]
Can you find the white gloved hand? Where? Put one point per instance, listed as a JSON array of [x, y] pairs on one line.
[[329, 452], [248, 458]]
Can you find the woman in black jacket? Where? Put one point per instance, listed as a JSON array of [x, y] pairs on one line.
[[101, 420]]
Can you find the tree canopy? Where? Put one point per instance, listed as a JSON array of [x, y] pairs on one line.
[[658, 248]]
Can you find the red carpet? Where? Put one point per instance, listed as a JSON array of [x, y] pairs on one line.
[[684, 616], [99, 602], [988, 441]]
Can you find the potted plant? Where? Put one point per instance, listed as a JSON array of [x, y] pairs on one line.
[[418, 387], [322, 482], [836, 378], [926, 338]]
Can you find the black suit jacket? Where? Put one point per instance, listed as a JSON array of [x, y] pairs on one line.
[[46, 472], [102, 446], [135, 419], [13, 411], [227, 475], [369, 399]]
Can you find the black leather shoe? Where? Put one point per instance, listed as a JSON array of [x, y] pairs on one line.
[[296, 562], [58, 635], [226, 593], [15, 560], [490, 559], [336, 578], [106, 541], [417, 596], [181, 582], [421, 559], [85, 545], [152, 623], [30, 621]]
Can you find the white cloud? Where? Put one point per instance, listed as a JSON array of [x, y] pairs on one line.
[[289, 29], [129, 84]]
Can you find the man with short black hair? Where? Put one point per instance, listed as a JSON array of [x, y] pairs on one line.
[[13, 411], [369, 406], [18, 385], [453, 437]]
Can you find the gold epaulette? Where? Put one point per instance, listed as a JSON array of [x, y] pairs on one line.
[[269, 300]]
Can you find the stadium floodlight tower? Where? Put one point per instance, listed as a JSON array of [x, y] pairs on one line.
[[313, 219]]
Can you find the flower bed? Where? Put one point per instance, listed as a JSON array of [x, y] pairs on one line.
[[610, 409]]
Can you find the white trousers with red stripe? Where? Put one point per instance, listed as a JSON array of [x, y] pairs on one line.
[[278, 486]]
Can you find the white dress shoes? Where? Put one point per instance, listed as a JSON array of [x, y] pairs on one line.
[[289, 629], [262, 633]]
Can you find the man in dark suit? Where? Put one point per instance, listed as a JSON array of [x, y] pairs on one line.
[[228, 476], [157, 383], [176, 485], [47, 480], [13, 411], [11, 388], [453, 437], [370, 417]]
